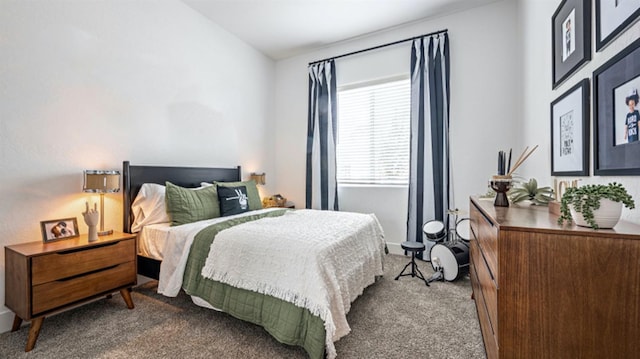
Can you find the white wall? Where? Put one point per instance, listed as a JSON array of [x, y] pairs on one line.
[[537, 94], [88, 84], [484, 109]]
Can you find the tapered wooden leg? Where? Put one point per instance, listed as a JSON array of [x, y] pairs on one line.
[[17, 322], [34, 331], [126, 295]]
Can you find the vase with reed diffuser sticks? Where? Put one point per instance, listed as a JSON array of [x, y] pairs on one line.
[[501, 183]]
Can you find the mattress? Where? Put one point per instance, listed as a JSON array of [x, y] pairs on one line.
[[152, 240]]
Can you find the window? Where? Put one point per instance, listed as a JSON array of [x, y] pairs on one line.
[[373, 133]]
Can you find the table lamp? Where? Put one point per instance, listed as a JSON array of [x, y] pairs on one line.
[[96, 181], [258, 177]]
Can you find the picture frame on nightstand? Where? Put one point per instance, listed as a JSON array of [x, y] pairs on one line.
[[59, 229]]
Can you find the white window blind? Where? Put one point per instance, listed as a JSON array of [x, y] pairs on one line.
[[373, 133]]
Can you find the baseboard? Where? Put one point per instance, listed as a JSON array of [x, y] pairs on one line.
[[6, 320], [394, 248]]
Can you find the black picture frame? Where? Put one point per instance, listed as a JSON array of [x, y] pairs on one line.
[[68, 228], [613, 17], [612, 86], [570, 122], [571, 38]]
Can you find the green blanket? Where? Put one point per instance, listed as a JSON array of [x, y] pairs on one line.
[[284, 321]]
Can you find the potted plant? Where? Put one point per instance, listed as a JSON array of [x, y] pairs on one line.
[[595, 206], [530, 191]]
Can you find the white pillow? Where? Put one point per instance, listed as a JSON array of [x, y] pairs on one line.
[[149, 206]]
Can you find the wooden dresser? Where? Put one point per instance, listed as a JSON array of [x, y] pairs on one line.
[[44, 278], [543, 290]]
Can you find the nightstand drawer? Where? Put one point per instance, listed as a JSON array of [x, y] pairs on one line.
[[57, 293], [65, 264]]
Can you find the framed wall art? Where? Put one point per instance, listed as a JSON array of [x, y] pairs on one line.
[[571, 38], [570, 132], [615, 111], [57, 229], [612, 18]]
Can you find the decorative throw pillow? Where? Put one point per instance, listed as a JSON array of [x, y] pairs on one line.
[[252, 192], [233, 200], [186, 205]]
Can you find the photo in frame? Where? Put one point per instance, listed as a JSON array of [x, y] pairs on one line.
[[615, 110], [571, 38], [612, 18], [570, 132], [57, 229]]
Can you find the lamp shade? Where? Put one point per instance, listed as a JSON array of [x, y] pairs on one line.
[[258, 177], [101, 181]]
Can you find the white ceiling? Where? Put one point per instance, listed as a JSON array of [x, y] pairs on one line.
[[284, 28]]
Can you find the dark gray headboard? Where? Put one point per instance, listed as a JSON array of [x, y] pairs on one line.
[[133, 177]]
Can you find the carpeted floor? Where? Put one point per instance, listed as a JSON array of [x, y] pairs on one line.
[[392, 319]]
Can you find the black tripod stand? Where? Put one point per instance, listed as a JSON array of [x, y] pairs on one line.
[[416, 247], [413, 247]]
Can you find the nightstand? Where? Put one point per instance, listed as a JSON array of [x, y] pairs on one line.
[[45, 278]]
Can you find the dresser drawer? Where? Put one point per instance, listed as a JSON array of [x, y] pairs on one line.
[[489, 339], [487, 285], [487, 238], [54, 294], [65, 264]]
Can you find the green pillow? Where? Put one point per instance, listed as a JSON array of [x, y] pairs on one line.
[[186, 205], [252, 192]]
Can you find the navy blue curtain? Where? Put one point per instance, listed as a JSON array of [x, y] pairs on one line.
[[322, 188], [429, 179]]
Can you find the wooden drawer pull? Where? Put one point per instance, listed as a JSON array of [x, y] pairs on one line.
[[85, 274], [86, 248], [486, 265], [485, 217]]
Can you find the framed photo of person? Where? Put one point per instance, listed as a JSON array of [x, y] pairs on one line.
[[612, 18], [57, 229], [570, 132], [571, 30], [616, 85]]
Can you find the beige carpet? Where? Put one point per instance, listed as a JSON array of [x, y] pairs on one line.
[[392, 319]]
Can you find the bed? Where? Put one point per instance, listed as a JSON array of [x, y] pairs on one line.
[[294, 272]]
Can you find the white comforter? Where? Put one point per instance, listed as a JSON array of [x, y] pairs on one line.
[[176, 252], [318, 260]]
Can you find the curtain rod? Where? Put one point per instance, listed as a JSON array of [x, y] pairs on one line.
[[378, 47]]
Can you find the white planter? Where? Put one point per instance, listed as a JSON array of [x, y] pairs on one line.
[[607, 216]]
